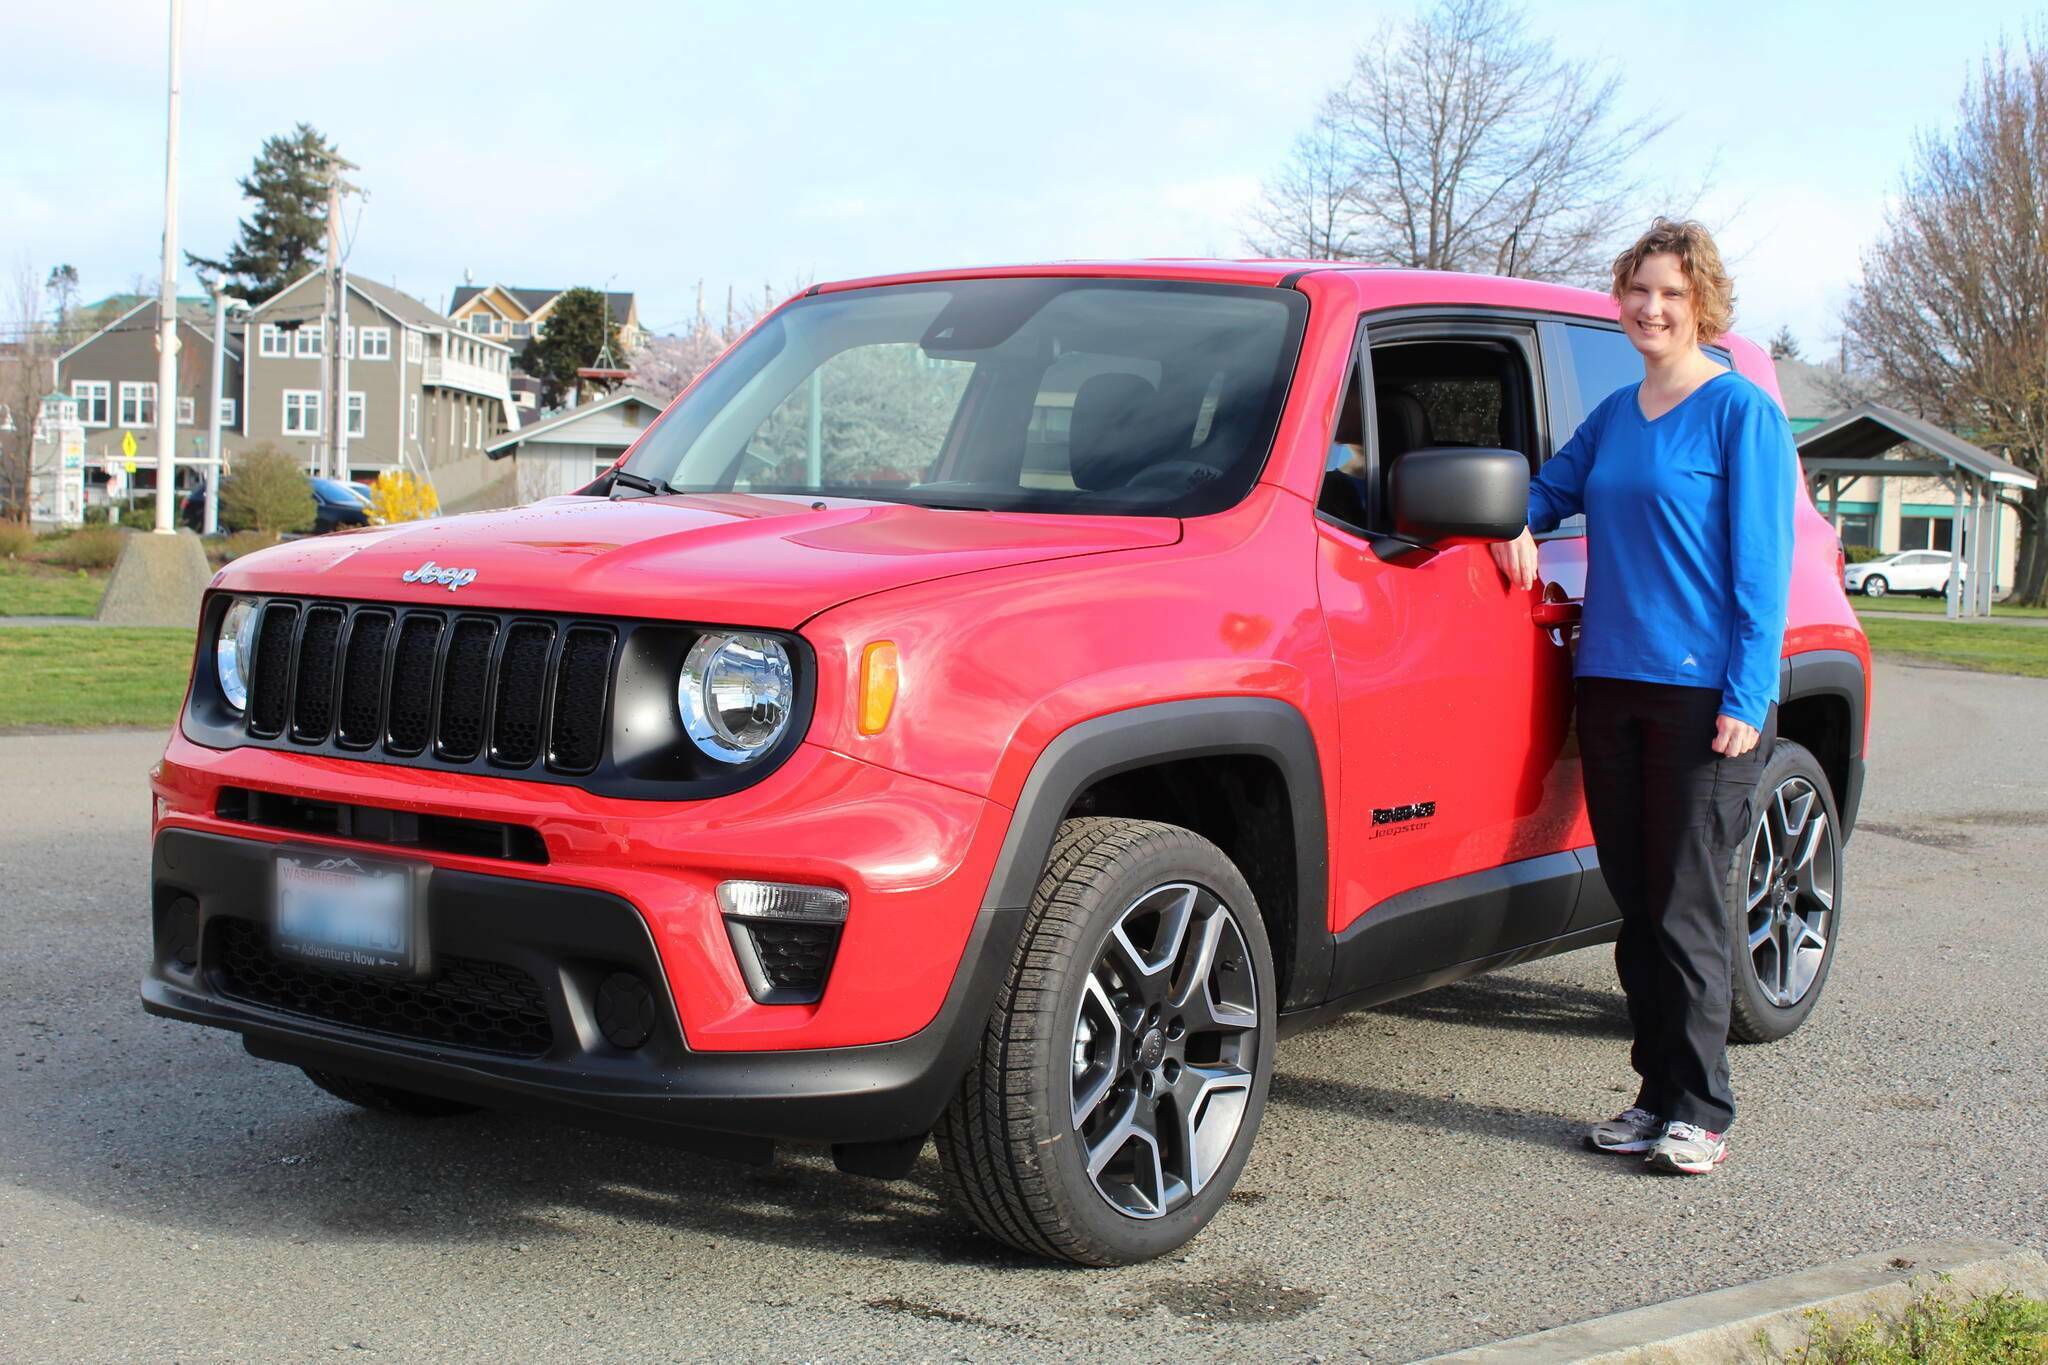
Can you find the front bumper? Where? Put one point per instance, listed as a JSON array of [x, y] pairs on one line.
[[565, 940]]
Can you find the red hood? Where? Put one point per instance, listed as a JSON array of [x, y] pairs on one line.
[[733, 559]]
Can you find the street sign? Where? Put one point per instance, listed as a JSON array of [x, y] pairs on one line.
[[128, 445]]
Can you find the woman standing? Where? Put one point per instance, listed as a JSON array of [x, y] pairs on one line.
[[1687, 481]]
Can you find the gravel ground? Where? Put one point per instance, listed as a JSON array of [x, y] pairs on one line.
[[1417, 1186]]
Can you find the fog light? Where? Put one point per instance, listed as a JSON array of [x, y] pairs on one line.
[[784, 937], [625, 1010]]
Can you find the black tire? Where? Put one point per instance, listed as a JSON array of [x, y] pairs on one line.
[[1875, 586], [1014, 1158], [387, 1099], [1758, 1013]]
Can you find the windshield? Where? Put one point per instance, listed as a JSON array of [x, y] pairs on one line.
[[1118, 397]]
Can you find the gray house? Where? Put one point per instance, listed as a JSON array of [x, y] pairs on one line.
[[562, 453], [112, 376], [423, 394]]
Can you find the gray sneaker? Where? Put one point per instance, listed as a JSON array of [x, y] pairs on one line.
[[1632, 1130], [1688, 1150]]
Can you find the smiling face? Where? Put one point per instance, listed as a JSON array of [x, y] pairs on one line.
[[1657, 308]]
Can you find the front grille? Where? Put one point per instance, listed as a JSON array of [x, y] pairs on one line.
[[382, 825], [446, 687], [468, 1003]]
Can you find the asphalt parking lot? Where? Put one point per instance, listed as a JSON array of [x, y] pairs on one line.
[[1417, 1187]]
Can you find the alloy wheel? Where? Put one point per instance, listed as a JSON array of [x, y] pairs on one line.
[[1793, 860], [1165, 1038]]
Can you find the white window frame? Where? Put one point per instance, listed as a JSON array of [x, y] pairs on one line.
[[141, 393], [358, 413], [413, 410], [188, 410], [415, 347], [272, 343], [309, 342], [308, 401], [373, 343], [227, 412], [465, 425], [91, 394]]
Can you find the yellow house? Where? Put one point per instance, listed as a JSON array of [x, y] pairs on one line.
[[515, 316]]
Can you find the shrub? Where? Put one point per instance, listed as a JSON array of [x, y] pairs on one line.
[[398, 496], [1862, 554], [266, 492], [243, 543], [95, 547], [16, 540], [142, 516], [96, 515]]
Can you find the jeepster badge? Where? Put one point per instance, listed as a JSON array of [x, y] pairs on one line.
[[430, 572]]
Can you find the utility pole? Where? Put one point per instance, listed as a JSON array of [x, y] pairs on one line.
[[167, 311], [342, 346], [329, 341]]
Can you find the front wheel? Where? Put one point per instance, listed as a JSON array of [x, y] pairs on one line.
[[1784, 898], [1123, 1072], [1875, 586]]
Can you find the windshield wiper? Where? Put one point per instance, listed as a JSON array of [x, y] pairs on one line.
[[639, 481]]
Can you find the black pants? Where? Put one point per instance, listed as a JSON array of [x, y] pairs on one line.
[[1667, 814]]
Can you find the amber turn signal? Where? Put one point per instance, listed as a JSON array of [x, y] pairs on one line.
[[877, 686]]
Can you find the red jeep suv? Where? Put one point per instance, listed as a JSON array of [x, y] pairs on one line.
[[992, 706]]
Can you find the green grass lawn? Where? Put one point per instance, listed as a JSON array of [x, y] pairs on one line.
[[1988, 648], [84, 677], [45, 590], [1934, 606]]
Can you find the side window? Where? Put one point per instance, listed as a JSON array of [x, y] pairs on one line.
[[1602, 361], [1430, 390]]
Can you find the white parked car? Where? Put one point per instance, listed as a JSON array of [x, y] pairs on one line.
[[1907, 571]]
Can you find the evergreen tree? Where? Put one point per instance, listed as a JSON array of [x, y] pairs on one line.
[[1784, 346], [577, 328], [284, 237]]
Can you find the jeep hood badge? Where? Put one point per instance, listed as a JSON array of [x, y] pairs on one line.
[[430, 572]]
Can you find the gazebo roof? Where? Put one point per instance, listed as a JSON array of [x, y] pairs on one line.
[[1853, 441]]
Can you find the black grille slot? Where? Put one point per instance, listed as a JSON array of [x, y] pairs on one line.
[[270, 684], [379, 825], [362, 680], [313, 692], [469, 1002], [522, 692], [582, 681], [465, 687], [412, 685]]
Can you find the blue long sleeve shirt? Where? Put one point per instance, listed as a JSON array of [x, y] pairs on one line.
[[1688, 539]]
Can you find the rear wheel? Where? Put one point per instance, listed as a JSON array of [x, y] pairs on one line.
[[1123, 1072], [1784, 899], [387, 1099]]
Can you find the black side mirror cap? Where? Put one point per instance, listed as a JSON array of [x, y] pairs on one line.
[[1439, 492]]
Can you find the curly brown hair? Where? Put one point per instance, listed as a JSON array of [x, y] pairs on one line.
[[1713, 293]]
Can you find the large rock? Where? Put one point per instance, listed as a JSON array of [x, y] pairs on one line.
[[157, 581]]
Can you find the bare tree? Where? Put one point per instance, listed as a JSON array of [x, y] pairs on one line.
[[25, 377], [666, 365], [1306, 211], [1462, 142], [1951, 317]]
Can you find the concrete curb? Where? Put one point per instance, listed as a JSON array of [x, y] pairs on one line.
[[1724, 1325]]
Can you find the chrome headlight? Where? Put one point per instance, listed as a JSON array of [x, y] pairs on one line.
[[233, 652], [736, 693]]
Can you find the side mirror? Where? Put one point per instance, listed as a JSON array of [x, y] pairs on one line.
[[1440, 492]]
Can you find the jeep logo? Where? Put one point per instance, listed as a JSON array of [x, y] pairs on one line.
[[430, 572], [1394, 815]]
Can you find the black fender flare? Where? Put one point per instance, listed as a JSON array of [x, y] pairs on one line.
[[1833, 673], [1084, 754]]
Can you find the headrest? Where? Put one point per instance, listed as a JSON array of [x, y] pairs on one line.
[[1114, 432], [1403, 425]]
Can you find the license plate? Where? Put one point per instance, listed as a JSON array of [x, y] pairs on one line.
[[348, 914]]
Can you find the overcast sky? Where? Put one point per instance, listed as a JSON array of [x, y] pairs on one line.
[[655, 145]]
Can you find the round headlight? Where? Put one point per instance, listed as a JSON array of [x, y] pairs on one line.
[[232, 653], [735, 694]]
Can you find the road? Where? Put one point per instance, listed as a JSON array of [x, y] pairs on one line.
[[1418, 1185]]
